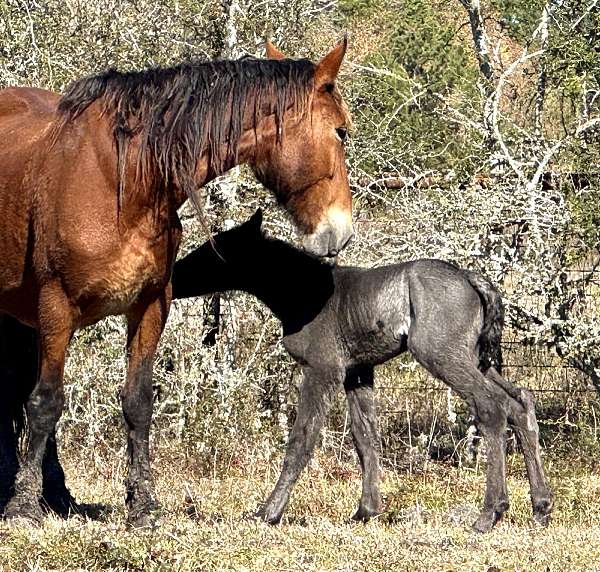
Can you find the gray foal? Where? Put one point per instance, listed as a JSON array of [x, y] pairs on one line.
[[339, 322]]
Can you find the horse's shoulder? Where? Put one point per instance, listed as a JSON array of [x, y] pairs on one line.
[[26, 100]]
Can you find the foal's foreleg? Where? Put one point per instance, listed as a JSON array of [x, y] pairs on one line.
[[521, 417], [45, 403], [316, 392], [145, 325], [361, 405]]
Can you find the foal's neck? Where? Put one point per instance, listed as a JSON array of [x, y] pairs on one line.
[[294, 285]]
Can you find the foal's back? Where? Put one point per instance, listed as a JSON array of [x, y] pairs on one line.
[[380, 308]]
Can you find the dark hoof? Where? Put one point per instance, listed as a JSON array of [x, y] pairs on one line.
[[147, 516], [542, 510], [267, 515], [30, 511], [486, 521], [364, 515]]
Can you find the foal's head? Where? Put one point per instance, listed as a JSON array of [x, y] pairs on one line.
[[306, 169]]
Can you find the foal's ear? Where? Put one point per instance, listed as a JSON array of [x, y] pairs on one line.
[[272, 52], [255, 221], [327, 69]]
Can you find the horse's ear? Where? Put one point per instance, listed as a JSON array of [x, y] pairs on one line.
[[327, 69], [272, 52], [255, 221]]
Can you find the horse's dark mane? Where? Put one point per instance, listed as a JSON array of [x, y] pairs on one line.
[[181, 111]]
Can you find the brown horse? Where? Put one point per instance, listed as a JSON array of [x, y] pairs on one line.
[[90, 184]]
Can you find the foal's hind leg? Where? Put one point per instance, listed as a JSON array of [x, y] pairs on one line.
[[521, 417], [361, 405], [454, 364], [45, 402], [316, 392], [144, 325]]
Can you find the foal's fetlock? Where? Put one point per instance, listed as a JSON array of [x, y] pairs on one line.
[[144, 515], [542, 509]]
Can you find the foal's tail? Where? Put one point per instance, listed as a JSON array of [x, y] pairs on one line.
[[490, 352]]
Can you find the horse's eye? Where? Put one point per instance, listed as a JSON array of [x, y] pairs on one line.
[[342, 133]]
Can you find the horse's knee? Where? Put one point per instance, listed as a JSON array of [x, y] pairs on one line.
[[136, 403], [44, 408]]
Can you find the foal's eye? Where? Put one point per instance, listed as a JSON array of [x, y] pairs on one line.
[[342, 133]]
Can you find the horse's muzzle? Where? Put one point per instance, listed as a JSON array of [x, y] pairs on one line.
[[330, 238]]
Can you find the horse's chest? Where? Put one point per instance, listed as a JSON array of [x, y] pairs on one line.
[[136, 267]]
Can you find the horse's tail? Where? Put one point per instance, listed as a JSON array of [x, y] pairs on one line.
[[490, 352]]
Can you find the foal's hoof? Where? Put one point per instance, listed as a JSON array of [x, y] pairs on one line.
[[267, 515], [486, 521], [542, 511], [147, 516], [29, 511], [364, 515]]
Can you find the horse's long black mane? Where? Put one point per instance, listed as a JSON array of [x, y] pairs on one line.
[[195, 107]]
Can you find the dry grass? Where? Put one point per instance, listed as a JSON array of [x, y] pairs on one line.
[[426, 526]]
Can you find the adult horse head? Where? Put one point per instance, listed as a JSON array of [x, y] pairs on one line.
[[307, 170], [90, 184]]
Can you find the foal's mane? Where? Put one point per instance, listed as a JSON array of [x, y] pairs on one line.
[[193, 108]]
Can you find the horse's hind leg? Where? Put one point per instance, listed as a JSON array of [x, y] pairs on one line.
[[316, 391], [145, 325], [361, 405], [8, 457], [55, 494], [45, 403], [521, 417], [10, 408]]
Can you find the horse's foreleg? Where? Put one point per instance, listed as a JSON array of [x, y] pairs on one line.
[[521, 417], [361, 405], [316, 392], [45, 403], [145, 325]]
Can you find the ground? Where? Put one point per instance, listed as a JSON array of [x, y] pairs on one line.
[[205, 524]]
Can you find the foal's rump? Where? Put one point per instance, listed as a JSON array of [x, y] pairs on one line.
[[455, 309]]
